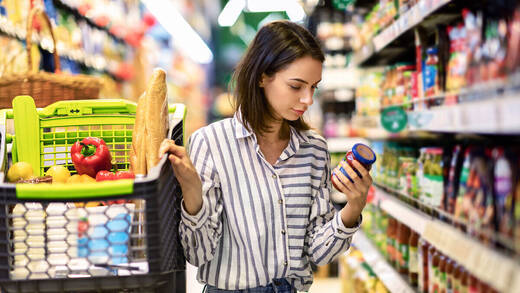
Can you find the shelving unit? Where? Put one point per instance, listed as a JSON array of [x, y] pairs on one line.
[[378, 46], [62, 5], [393, 281], [497, 269], [98, 62]]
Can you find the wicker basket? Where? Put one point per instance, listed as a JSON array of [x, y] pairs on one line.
[[45, 87]]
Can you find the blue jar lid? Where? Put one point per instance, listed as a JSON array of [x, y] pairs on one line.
[[432, 50], [364, 154]]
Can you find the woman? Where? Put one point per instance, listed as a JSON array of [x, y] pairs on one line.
[[256, 209]]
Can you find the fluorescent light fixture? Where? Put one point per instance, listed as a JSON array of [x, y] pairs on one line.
[[233, 8], [267, 5], [184, 36], [231, 12]]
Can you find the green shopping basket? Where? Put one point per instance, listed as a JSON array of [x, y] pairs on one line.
[[66, 237]]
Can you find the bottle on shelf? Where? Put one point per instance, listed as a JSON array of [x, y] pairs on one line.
[[435, 272], [449, 275], [424, 247], [403, 253], [413, 261], [443, 260], [391, 241]]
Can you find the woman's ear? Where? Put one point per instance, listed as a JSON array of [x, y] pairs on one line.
[[262, 81]]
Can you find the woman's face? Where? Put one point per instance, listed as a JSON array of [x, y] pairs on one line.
[[290, 91]]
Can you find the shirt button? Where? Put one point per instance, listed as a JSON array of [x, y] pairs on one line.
[[280, 201], [283, 232], [194, 224], [285, 263], [274, 176]]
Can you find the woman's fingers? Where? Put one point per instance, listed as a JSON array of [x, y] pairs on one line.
[[339, 183], [354, 177], [169, 146]]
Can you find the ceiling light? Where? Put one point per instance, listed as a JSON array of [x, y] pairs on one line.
[[233, 8], [184, 36], [267, 5], [231, 12]]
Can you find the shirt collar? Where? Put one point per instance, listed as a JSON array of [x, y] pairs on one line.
[[241, 131]]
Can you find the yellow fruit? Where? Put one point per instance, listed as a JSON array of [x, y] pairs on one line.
[[87, 179], [20, 171], [60, 174], [74, 179]]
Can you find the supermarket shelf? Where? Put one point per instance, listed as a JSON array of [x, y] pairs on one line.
[[384, 271], [343, 144], [403, 24], [97, 62], [500, 106], [60, 4], [487, 264]]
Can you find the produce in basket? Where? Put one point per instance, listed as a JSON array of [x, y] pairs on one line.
[[59, 174], [90, 156], [105, 175], [20, 171], [76, 178]]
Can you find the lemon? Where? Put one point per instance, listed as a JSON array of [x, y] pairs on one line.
[[20, 171], [59, 174]]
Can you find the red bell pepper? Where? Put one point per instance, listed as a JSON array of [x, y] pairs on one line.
[[125, 175], [104, 175], [90, 156]]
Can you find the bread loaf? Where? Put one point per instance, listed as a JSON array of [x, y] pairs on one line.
[[138, 150], [156, 116]]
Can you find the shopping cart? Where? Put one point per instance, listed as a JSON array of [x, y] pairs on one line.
[[114, 236]]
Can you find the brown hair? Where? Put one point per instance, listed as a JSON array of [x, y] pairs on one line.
[[275, 46]]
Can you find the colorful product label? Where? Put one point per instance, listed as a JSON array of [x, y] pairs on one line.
[[390, 248], [403, 256], [413, 262]]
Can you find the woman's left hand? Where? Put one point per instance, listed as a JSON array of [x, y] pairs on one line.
[[355, 190]]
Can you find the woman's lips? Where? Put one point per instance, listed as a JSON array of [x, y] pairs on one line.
[[299, 112]]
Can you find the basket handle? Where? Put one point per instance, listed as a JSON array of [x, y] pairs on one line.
[[28, 39]]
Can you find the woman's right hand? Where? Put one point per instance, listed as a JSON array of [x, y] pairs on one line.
[[186, 174]]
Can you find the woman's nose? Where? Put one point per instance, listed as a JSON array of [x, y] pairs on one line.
[[307, 98]]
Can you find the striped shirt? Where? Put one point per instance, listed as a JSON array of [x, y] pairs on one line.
[[258, 221]]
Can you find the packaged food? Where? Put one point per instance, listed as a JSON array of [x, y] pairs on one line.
[[431, 184], [503, 183], [361, 153], [431, 73], [391, 233], [413, 260], [422, 273], [403, 251], [452, 184]]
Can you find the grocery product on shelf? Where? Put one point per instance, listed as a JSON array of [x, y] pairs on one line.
[[362, 154], [357, 276], [403, 248], [413, 260]]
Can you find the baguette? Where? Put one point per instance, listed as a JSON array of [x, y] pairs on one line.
[[156, 117], [138, 151]]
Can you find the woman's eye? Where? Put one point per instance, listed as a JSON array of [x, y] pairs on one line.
[[294, 87], [315, 87]]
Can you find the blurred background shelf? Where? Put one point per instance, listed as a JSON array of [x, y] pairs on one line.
[[393, 281]]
